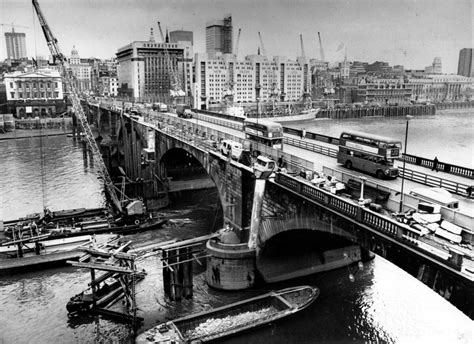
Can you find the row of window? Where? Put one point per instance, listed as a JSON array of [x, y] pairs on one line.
[[34, 85], [35, 95]]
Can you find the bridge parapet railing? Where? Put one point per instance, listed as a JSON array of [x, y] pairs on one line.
[[409, 202], [430, 180], [377, 222], [310, 146], [442, 166], [201, 132]]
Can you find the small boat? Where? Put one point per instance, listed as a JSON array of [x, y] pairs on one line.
[[232, 319]]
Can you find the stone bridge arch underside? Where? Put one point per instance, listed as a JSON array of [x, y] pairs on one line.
[[234, 182]]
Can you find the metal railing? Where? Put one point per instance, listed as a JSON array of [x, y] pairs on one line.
[[311, 147], [442, 166], [430, 180]]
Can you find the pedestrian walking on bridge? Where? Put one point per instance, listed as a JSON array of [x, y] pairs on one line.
[[435, 164]]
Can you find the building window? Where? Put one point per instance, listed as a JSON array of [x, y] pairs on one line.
[[21, 95], [56, 94], [11, 84], [12, 94]]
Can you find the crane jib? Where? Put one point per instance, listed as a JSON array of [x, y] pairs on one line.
[[97, 156]]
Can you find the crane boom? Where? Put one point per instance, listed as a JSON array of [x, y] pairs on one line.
[[74, 96], [176, 89], [323, 58], [264, 52], [237, 44], [302, 46]]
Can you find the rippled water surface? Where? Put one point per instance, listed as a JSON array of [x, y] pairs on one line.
[[383, 304], [447, 135]]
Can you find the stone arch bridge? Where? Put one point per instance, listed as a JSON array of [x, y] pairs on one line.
[[287, 205]]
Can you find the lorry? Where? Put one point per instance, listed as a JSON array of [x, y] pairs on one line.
[[160, 107], [184, 110]]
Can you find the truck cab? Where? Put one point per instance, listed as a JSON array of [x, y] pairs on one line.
[[264, 167]]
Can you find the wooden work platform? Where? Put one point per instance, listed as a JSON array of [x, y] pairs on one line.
[[28, 263]]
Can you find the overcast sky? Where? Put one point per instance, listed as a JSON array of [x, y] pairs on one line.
[[407, 32]]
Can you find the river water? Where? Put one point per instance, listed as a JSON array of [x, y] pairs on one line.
[[447, 135], [383, 304]]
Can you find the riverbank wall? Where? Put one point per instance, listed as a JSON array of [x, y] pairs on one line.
[[455, 105], [384, 111]]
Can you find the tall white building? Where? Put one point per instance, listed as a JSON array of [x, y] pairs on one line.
[[81, 71], [250, 78], [143, 67], [16, 46]]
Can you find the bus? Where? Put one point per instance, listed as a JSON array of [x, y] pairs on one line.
[[369, 153], [264, 131]]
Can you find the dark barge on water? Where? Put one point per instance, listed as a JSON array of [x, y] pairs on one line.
[[232, 319]]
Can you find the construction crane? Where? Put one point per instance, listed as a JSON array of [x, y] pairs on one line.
[[264, 52], [237, 44], [321, 51], [302, 47], [74, 96], [14, 26], [176, 88], [306, 95]]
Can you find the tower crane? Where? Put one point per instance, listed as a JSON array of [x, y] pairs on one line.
[[176, 88], [74, 96], [321, 51], [264, 52], [14, 26], [237, 44], [306, 95]]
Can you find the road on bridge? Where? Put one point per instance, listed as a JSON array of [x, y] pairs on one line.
[[466, 206]]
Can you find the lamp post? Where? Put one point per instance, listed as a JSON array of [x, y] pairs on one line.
[[257, 91], [363, 180], [404, 162]]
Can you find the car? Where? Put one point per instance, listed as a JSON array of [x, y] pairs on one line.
[[232, 148]]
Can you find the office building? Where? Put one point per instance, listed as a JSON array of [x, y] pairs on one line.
[[254, 78], [435, 68], [143, 71], [181, 36], [219, 36], [82, 71], [16, 46], [466, 62], [36, 93]]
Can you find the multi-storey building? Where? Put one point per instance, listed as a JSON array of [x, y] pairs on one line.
[[435, 68], [16, 46], [384, 91], [219, 36], [255, 78], [439, 88], [81, 72], [143, 68], [181, 36], [34, 93], [466, 62]]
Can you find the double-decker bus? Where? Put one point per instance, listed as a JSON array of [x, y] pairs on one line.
[[264, 131], [369, 153]]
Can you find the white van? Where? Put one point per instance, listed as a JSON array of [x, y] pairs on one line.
[[264, 167], [436, 196], [232, 148]]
